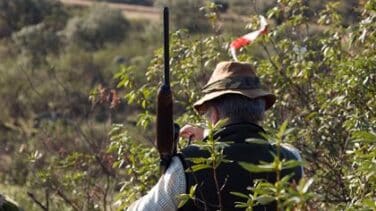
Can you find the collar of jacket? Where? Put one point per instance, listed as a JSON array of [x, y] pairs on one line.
[[238, 132]]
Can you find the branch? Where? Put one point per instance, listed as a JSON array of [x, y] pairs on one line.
[[68, 201], [31, 82], [32, 196], [218, 189], [106, 193]]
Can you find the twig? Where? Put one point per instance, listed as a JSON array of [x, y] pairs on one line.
[[93, 146], [31, 83], [224, 183], [68, 201], [301, 93], [214, 163], [47, 196], [200, 191], [217, 187], [106, 193], [32, 196]]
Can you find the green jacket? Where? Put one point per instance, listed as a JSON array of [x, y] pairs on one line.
[[230, 176]]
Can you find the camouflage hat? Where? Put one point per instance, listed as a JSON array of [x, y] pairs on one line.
[[234, 78]]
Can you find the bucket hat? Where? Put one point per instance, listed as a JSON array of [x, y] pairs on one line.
[[234, 78]]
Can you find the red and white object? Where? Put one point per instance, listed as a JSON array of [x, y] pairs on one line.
[[248, 38]]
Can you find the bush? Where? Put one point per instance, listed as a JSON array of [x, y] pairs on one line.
[[36, 41], [16, 14], [187, 14], [99, 26]]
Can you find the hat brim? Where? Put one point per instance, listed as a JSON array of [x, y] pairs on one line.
[[251, 93]]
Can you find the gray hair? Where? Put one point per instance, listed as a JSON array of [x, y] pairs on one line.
[[238, 108]]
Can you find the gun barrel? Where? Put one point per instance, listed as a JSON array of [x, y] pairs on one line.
[[166, 39]]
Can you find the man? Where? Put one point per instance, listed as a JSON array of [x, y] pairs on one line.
[[233, 92]]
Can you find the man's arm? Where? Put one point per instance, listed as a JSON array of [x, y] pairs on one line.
[[164, 195]]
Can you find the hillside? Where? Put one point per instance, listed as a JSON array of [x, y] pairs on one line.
[[130, 11], [144, 12]]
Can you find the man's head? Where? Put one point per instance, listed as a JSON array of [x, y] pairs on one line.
[[234, 92], [235, 108]]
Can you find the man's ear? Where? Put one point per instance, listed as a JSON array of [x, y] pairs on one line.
[[214, 115]]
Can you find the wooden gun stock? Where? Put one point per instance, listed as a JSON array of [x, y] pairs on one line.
[[165, 131]]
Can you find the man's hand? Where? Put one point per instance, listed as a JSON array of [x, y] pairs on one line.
[[192, 132]]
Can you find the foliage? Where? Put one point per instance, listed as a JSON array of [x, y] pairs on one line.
[[77, 173], [19, 13], [137, 163], [215, 149], [56, 146], [53, 141], [186, 14], [244, 7], [99, 26], [36, 41], [322, 70], [324, 79], [287, 196], [362, 179]]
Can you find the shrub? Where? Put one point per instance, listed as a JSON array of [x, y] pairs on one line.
[[99, 26], [36, 41], [16, 14], [187, 14]]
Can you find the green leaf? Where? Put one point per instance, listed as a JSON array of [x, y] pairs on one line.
[[192, 190], [257, 141], [282, 129], [257, 168], [307, 184], [265, 199], [291, 164], [241, 195], [198, 160], [183, 199], [364, 136], [293, 200], [198, 167]]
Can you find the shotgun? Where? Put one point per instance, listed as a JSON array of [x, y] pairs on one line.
[[167, 131]]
